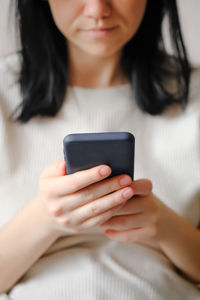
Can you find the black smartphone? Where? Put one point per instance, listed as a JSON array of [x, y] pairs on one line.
[[86, 150]]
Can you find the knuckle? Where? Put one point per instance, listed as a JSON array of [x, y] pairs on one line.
[[61, 222], [56, 211], [94, 209], [67, 221], [64, 222], [148, 185], [88, 195]]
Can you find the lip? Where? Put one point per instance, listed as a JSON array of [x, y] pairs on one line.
[[99, 32]]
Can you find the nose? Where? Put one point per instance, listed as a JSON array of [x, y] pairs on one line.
[[97, 9]]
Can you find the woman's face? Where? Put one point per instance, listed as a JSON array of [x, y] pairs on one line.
[[98, 27]]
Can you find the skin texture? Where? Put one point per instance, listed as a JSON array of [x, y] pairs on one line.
[[74, 17], [94, 62]]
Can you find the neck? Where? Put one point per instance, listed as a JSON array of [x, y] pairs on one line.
[[91, 71]]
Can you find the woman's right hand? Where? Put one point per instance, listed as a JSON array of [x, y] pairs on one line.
[[80, 201]]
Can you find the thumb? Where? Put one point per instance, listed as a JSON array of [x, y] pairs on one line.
[[55, 169]]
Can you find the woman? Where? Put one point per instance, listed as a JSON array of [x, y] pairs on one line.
[[99, 66]]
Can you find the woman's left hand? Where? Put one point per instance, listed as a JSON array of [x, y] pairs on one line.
[[142, 218]]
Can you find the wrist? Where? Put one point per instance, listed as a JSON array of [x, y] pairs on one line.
[[168, 223], [44, 219], [173, 227], [180, 241]]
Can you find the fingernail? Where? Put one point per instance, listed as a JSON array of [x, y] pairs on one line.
[[104, 171], [125, 180], [127, 193]]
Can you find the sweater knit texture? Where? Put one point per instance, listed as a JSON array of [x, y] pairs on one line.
[[89, 265]]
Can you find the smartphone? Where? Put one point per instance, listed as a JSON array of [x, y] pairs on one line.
[[83, 151]]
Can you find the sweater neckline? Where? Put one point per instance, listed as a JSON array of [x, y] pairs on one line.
[[104, 97], [104, 89], [102, 94]]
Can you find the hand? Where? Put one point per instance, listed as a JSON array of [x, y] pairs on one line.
[[142, 218], [79, 201]]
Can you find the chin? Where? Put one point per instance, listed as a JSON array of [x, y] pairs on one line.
[[99, 51]]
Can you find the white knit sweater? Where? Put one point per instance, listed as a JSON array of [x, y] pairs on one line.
[[90, 266]]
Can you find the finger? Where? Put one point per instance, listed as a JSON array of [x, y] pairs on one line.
[[95, 191], [54, 170], [132, 235], [130, 221], [72, 183], [135, 205], [97, 207], [97, 220], [142, 187]]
